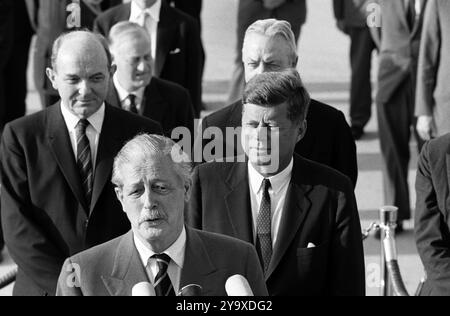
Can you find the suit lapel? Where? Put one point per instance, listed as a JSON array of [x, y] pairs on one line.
[[109, 144], [295, 210], [61, 147], [167, 31], [237, 201], [128, 269], [198, 267]]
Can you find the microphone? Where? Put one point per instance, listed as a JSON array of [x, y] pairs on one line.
[[191, 290], [143, 289], [237, 285]]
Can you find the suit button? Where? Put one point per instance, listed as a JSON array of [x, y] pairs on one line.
[[86, 224]]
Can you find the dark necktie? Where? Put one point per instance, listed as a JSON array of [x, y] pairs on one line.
[[131, 104], [264, 227], [411, 13], [163, 285], [84, 159]]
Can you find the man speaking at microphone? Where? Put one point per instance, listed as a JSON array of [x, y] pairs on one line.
[[159, 255]]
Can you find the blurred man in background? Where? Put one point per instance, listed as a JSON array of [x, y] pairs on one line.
[[134, 88], [401, 27], [351, 19], [175, 40]]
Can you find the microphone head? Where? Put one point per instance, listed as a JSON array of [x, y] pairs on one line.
[[143, 289], [191, 290], [237, 285]]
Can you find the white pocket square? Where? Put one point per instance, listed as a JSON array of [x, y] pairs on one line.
[[175, 51], [311, 245]]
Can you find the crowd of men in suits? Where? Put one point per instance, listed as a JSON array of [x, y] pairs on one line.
[[114, 96]]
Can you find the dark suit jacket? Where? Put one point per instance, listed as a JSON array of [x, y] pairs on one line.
[[320, 208], [178, 57], [432, 220], [44, 212], [164, 102], [328, 139], [112, 269], [399, 51], [433, 95]]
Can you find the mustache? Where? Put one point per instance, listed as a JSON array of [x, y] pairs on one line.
[[152, 215]]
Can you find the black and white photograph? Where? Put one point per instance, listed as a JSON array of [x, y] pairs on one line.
[[224, 149]]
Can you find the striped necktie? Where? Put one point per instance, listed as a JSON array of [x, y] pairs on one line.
[[163, 285], [264, 228], [131, 104], [84, 159]]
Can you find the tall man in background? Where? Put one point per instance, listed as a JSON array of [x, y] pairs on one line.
[[433, 98]]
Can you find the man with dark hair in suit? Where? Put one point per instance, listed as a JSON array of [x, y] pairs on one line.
[[300, 215], [270, 45], [433, 99], [351, 19], [250, 11], [401, 27], [136, 90], [56, 165], [432, 227], [153, 184], [175, 41]]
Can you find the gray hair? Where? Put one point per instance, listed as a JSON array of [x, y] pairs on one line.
[[272, 28], [145, 147], [271, 89], [60, 41], [125, 28]]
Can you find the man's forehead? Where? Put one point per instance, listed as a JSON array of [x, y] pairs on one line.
[[255, 111]]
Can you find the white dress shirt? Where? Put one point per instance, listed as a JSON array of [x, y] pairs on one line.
[[278, 190], [138, 15], [123, 95], [418, 6], [93, 131], [176, 254]]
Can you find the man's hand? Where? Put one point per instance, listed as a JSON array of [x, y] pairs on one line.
[[272, 4], [425, 127]]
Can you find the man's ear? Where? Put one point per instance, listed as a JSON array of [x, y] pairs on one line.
[[51, 74], [112, 70], [119, 195], [187, 190], [302, 130]]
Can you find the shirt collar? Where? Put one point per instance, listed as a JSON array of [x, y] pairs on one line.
[[175, 251], [95, 120], [154, 11], [276, 182], [123, 94]]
